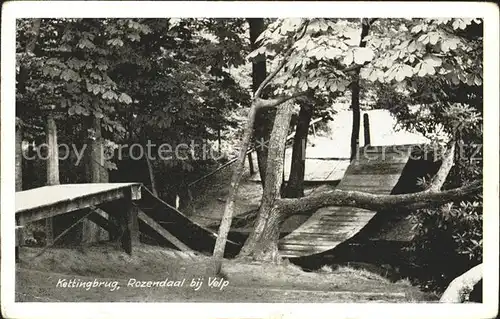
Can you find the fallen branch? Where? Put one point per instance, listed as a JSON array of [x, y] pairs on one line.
[[461, 287], [376, 202]]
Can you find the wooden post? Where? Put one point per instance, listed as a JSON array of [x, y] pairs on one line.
[[52, 168], [250, 163], [131, 224], [19, 237], [366, 127]]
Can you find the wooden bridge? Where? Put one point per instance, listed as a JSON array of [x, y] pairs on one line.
[[376, 170], [122, 209], [125, 212]]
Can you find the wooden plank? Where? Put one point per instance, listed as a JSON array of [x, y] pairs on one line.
[[328, 219], [162, 231], [330, 226], [388, 149], [51, 195], [101, 218], [368, 180], [64, 207], [386, 168], [313, 247], [309, 239]]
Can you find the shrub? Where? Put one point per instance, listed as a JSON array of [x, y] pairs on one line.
[[448, 242]]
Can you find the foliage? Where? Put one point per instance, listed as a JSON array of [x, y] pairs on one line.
[[399, 53], [448, 242], [167, 80], [449, 239], [428, 73]]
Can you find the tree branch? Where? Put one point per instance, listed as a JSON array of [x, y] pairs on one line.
[[376, 202], [287, 54], [269, 103], [461, 287], [440, 177]]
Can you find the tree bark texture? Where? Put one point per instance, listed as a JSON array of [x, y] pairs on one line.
[[52, 168], [151, 171], [376, 202], [262, 244], [257, 102], [97, 173], [295, 185], [53, 154], [265, 117], [225, 224]]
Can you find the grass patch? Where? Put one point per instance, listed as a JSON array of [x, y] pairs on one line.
[[252, 282]]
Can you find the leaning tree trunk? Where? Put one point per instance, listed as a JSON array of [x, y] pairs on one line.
[[355, 90], [257, 103], [295, 186], [461, 287], [262, 244]]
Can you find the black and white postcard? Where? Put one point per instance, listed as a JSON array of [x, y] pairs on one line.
[[249, 159]]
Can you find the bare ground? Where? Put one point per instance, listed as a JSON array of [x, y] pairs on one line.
[[208, 202], [37, 278]]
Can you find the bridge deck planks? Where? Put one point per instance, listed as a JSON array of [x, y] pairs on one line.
[[377, 173], [56, 194]]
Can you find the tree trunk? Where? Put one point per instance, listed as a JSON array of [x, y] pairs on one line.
[[53, 154], [22, 78], [151, 176], [150, 168], [262, 244], [97, 173], [355, 90], [257, 103], [19, 157], [355, 118], [461, 287], [52, 169], [264, 118], [227, 218], [295, 186]]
